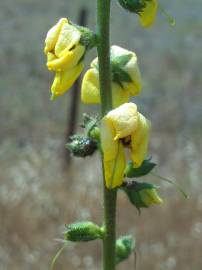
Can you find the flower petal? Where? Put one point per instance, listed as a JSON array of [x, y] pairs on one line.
[[114, 169], [64, 80], [139, 141], [53, 34], [148, 15], [90, 92], [69, 37], [124, 119], [68, 60]]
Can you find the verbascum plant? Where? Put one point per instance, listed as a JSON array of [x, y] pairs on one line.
[[120, 133], [126, 78]]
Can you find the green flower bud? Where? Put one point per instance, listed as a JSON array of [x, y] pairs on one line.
[[146, 167], [83, 231], [124, 247], [141, 195], [81, 146]]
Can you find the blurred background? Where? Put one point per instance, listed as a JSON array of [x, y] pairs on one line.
[[39, 193]]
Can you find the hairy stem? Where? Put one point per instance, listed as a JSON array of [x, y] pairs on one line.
[[103, 35]]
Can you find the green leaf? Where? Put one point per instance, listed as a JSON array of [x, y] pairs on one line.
[[146, 167], [119, 75]]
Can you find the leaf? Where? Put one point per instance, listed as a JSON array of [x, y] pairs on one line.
[[146, 167]]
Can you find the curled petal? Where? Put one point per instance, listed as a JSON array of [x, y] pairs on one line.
[[68, 60], [53, 34], [64, 80], [124, 120], [148, 15]]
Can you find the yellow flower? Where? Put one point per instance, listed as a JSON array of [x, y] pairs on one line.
[[126, 78], [148, 14], [123, 127], [64, 54]]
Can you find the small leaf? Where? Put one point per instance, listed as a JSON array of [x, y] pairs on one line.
[[119, 75], [146, 167]]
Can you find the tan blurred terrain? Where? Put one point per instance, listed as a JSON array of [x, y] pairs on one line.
[[38, 196]]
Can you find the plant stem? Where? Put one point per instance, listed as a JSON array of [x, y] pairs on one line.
[[103, 47]]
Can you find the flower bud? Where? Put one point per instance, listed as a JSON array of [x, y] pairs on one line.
[[81, 146], [135, 6], [141, 195], [124, 247], [83, 231]]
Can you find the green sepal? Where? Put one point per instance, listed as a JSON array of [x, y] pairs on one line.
[[124, 247], [83, 231], [141, 194], [82, 146], [146, 167], [135, 6], [90, 124], [120, 60]]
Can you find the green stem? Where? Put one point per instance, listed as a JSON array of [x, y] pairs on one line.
[[103, 47]]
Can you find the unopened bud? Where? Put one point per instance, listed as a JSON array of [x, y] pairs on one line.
[[124, 247], [83, 231], [135, 6], [81, 146]]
